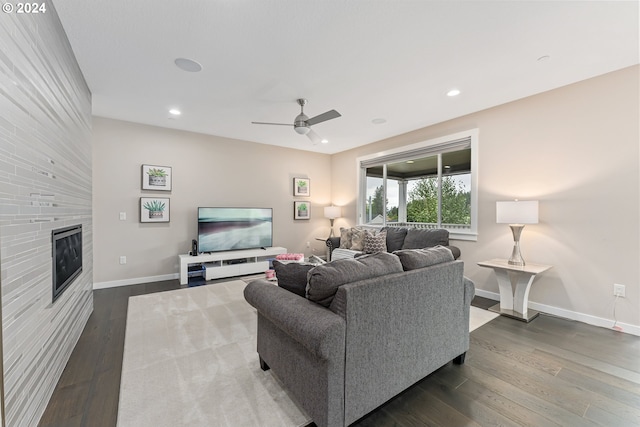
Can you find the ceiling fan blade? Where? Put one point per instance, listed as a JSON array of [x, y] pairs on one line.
[[267, 123], [333, 114], [314, 137]]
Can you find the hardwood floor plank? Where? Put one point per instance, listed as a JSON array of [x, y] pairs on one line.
[[540, 341], [468, 404], [533, 402], [607, 419]]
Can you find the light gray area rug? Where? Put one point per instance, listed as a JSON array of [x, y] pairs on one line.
[[190, 360]]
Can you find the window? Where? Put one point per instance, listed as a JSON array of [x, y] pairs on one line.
[[431, 184]]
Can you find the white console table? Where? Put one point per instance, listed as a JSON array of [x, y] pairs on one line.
[[514, 303], [217, 266]]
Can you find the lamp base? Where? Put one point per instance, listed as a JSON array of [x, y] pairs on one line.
[[516, 256], [331, 232]]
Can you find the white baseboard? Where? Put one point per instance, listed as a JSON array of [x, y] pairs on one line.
[[567, 314], [136, 281]]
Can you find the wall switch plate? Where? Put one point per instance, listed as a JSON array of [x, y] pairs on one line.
[[123, 260], [123, 216], [618, 290]]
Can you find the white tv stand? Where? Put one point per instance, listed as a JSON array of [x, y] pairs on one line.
[[217, 263]]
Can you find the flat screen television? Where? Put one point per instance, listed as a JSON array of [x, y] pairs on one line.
[[229, 229]]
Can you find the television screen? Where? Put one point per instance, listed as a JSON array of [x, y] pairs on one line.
[[226, 229]]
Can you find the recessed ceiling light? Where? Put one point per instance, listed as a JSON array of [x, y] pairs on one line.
[[410, 162], [325, 141], [453, 92], [447, 167], [379, 121], [188, 65], [175, 112]]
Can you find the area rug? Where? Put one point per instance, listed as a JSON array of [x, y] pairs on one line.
[[190, 360]]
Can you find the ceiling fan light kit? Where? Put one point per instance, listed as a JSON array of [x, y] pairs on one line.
[[302, 123]]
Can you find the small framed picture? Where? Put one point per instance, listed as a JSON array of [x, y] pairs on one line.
[[156, 178], [154, 209], [301, 187], [301, 210]]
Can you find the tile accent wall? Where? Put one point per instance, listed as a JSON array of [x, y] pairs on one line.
[[45, 183]]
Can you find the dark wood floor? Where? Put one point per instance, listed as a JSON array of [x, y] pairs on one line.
[[550, 372]]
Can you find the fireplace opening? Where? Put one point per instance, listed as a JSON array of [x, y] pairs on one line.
[[67, 257]]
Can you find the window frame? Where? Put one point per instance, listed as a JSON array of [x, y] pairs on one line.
[[435, 146]]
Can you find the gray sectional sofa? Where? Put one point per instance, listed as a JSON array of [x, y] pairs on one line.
[[401, 238], [368, 328]]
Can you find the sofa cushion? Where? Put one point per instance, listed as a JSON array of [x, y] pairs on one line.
[[292, 276], [418, 238], [357, 239], [413, 259], [395, 238], [324, 280], [345, 237], [375, 241]]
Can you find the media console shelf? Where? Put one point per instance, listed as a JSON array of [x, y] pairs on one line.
[[223, 264]]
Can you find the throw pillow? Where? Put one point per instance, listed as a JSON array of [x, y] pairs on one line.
[[345, 238], [418, 238], [324, 280], [292, 276], [413, 259], [375, 242], [395, 238], [357, 239]]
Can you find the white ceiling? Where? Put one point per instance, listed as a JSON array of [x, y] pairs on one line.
[[367, 59]]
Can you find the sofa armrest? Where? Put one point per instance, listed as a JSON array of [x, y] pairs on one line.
[[455, 251], [332, 243], [316, 328]]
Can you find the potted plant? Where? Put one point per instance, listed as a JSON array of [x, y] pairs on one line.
[[302, 187], [157, 177], [155, 208], [302, 210]]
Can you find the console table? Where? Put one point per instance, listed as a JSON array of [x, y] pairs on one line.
[[229, 263], [514, 304]]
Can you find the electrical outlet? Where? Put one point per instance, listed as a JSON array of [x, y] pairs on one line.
[[123, 260], [123, 216], [308, 244], [618, 290]]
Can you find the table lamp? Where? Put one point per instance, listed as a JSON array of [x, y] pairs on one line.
[[332, 212], [517, 214]]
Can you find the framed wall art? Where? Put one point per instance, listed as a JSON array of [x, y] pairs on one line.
[[156, 178], [301, 210], [301, 187], [154, 209]]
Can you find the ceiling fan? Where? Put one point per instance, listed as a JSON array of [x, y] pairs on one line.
[[302, 124]]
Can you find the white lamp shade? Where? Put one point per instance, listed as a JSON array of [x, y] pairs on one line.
[[517, 212], [332, 212]]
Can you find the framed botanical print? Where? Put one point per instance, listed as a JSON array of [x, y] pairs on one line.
[[156, 177], [301, 187], [301, 210], [154, 209]]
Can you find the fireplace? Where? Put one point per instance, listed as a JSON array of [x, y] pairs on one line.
[[67, 257]]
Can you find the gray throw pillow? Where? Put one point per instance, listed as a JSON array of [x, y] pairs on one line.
[[418, 238], [395, 237], [357, 239], [292, 276], [345, 238], [413, 259], [324, 280], [375, 242]]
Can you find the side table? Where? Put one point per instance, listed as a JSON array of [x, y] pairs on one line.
[[514, 303]]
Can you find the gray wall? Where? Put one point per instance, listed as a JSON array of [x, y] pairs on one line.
[[45, 183], [575, 149]]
